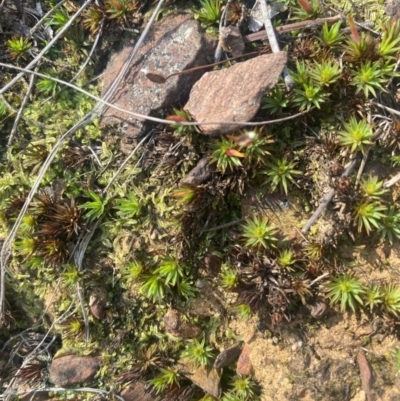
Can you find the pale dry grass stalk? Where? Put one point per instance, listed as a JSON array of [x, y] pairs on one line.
[[21, 109]]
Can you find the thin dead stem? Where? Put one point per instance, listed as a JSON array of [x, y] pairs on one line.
[[27, 120], [21, 109], [40, 22], [59, 389], [88, 58], [389, 109], [122, 166], [273, 42], [155, 119]]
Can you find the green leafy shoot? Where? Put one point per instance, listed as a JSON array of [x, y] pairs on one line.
[[390, 224], [25, 246], [121, 11], [71, 275], [59, 18], [170, 271], [95, 208], [91, 18], [372, 297], [153, 288], [371, 188], [280, 173], [128, 208], [368, 78], [360, 48], [166, 379], [345, 290], [185, 194], [397, 359], [314, 250], [331, 36], [244, 311], [243, 387], [198, 353], [18, 47], [133, 270], [258, 233], [228, 277], [225, 155], [391, 299], [310, 96], [301, 75], [72, 328], [185, 289], [357, 135], [286, 260], [326, 73], [181, 116], [367, 214], [390, 39], [27, 224], [275, 100], [210, 12], [3, 108], [309, 9]]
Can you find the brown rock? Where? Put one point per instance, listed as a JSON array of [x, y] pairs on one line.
[[228, 356], [212, 264], [178, 327], [319, 309], [98, 302], [367, 375], [199, 174], [206, 377], [70, 370], [231, 40], [138, 392], [244, 366], [173, 44], [234, 94]]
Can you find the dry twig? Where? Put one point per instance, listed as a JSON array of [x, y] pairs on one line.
[[21, 109], [269, 29], [327, 200]]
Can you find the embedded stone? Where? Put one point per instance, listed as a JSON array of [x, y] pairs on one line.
[[138, 391], [199, 174], [228, 356], [206, 377], [367, 374], [176, 325], [234, 94], [174, 44], [97, 302], [70, 370], [244, 366]]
